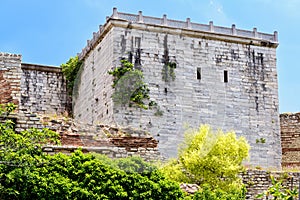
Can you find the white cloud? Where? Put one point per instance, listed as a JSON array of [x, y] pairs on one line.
[[288, 7], [216, 12]]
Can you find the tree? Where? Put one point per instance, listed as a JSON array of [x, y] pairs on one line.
[[26, 172], [19, 152], [206, 157]]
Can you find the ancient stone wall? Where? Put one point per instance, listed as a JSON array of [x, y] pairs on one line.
[[92, 103], [258, 181], [223, 77], [104, 139], [10, 77], [35, 89], [43, 89], [290, 139]]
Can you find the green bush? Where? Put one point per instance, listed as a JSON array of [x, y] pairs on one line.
[[278, 191], [209, 158], [81, 176], [207, 193], [26, 172]]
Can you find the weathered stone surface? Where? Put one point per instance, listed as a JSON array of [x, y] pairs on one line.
[[258, 181], [43, 89], [235, 90], [189, 188]]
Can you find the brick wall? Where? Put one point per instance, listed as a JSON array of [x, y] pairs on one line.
[[290, 139], [104, 139]]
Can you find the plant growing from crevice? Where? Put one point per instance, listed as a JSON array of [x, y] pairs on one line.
[[278, 191], [168, 71], [261, 140], [70, 70], [130, 87]]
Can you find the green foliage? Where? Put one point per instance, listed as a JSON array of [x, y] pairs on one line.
[[81, 176], [70, 70], [134, 164], [174, 170], [119, 72], [278, 191], [19, 153], [207, 193], [129, 86], [261, 140], [168, 72], [6, 109], [210, 158], [26, 172]]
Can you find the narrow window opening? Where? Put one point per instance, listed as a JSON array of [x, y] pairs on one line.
[[137, 42], [225, 76], [199, 73], [166, 90]]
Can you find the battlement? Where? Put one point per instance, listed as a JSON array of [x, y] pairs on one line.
[[3, 54], [210, 28]]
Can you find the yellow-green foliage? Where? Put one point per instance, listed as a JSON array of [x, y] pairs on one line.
[[174, 170], [208, 157]]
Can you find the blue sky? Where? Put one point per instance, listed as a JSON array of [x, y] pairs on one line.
[[51, 31]]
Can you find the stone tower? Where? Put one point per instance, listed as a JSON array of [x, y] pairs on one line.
[[224, 77]]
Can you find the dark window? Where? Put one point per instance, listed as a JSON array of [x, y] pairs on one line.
[[225, 76], [199, 73], [137, 42]]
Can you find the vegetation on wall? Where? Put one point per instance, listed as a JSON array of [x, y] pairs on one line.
[[168, 71], [129, 86], [70, 70], [278, 191], [210, 159]]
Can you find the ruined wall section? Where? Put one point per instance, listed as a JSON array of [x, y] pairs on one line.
[[246, 102], [43, 89], [92, 103], [290, 139], [258, 181], [10, 76]]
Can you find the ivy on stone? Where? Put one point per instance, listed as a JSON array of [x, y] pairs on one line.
[[168, 71], [70, 70], [129, 85]]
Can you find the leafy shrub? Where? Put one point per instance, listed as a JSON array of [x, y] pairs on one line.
[[207, 193], [26, 172], [81, 176], [209, 158], [278, 191]]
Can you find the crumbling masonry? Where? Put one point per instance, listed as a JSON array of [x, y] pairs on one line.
[[196, 73], [225, 77]]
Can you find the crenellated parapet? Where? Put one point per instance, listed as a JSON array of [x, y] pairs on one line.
[[210, 30]]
